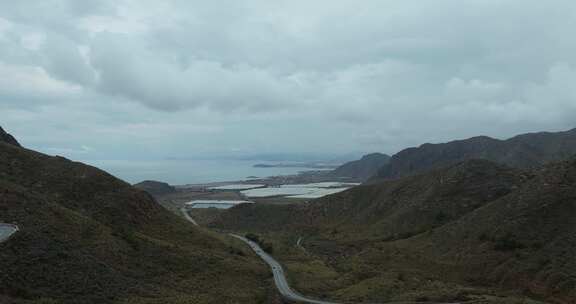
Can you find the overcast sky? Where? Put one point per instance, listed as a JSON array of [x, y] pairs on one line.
[[149, 79]]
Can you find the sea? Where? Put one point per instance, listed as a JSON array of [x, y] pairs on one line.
[[182, 172]]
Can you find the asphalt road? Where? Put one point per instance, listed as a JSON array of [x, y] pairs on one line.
[[188, 217], [278, 272], [6, 231], [279, 277]]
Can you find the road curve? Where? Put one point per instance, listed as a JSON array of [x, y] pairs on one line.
[[278, 272], [299, 244], [6, 231], [187, 216]]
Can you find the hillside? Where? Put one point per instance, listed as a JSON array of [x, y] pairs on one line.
[[523, 151], [155, 188], [468, 230], [7, 138], [87, 237], [409, 206], [363, 168], [392, 208], [526, 239]]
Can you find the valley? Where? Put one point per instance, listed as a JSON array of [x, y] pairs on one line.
[[287, 152], [458, 233], [445, 235]]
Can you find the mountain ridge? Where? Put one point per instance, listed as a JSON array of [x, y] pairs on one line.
[[521, 151]]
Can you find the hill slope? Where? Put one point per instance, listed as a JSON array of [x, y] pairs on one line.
[[523, 151], [474, 223], [7, 138], [363, 168], [525, 240], [87, 237]]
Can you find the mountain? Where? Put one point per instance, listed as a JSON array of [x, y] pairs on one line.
[[363, 168], [7, 138], [466, 231], [418, 203], [523, 240], [87, 237], [155, 188], [523, 151]]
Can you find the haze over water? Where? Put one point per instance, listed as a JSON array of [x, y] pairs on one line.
[[180, 172]]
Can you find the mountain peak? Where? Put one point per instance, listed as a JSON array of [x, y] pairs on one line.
[[362, 169]]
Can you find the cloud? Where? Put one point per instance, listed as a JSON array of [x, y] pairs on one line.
[[131, 69], [62, 58], [283, 75], [20, 85]]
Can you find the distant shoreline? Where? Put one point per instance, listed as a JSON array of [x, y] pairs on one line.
[[298, 165], [303, 177]]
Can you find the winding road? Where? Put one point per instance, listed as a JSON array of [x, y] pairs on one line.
[[6, 231], [187, 216], [278, 272]]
